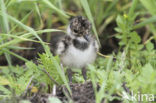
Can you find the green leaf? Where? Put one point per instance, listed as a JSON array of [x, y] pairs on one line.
[[4, 17], [145, 22], [5, 90], [149, 46], [49, 66], [133, 7], [149, 5], [14, 54], [48, 3], [54, 100], [120, 22], [25, 101], [135, 37], [19, 48], [5, 27], [146, 74], [26, 35]]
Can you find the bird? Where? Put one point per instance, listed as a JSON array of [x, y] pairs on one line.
[[78, 47]]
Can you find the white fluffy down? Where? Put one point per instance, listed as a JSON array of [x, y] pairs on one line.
[[60, 48], [74, 57]]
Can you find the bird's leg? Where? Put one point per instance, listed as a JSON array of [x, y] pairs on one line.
[[70, 74], [84, 73]]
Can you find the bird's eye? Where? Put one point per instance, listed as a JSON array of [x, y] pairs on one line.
[[84, 24], [75, 30]]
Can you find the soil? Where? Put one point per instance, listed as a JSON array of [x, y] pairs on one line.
[[81, 93]]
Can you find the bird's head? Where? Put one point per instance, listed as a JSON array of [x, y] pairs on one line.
[[79, 27]]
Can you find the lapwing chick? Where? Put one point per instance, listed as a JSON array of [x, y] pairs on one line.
[[78, 48]]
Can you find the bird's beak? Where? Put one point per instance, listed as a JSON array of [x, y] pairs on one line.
[[86, 37]]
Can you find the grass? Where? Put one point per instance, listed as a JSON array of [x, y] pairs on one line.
[[90, 17], [132, 64], [5, 27]]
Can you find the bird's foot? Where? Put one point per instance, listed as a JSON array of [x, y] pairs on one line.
[[84, 73], [70, 74]]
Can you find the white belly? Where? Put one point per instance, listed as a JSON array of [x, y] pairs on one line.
[[77, 58]]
